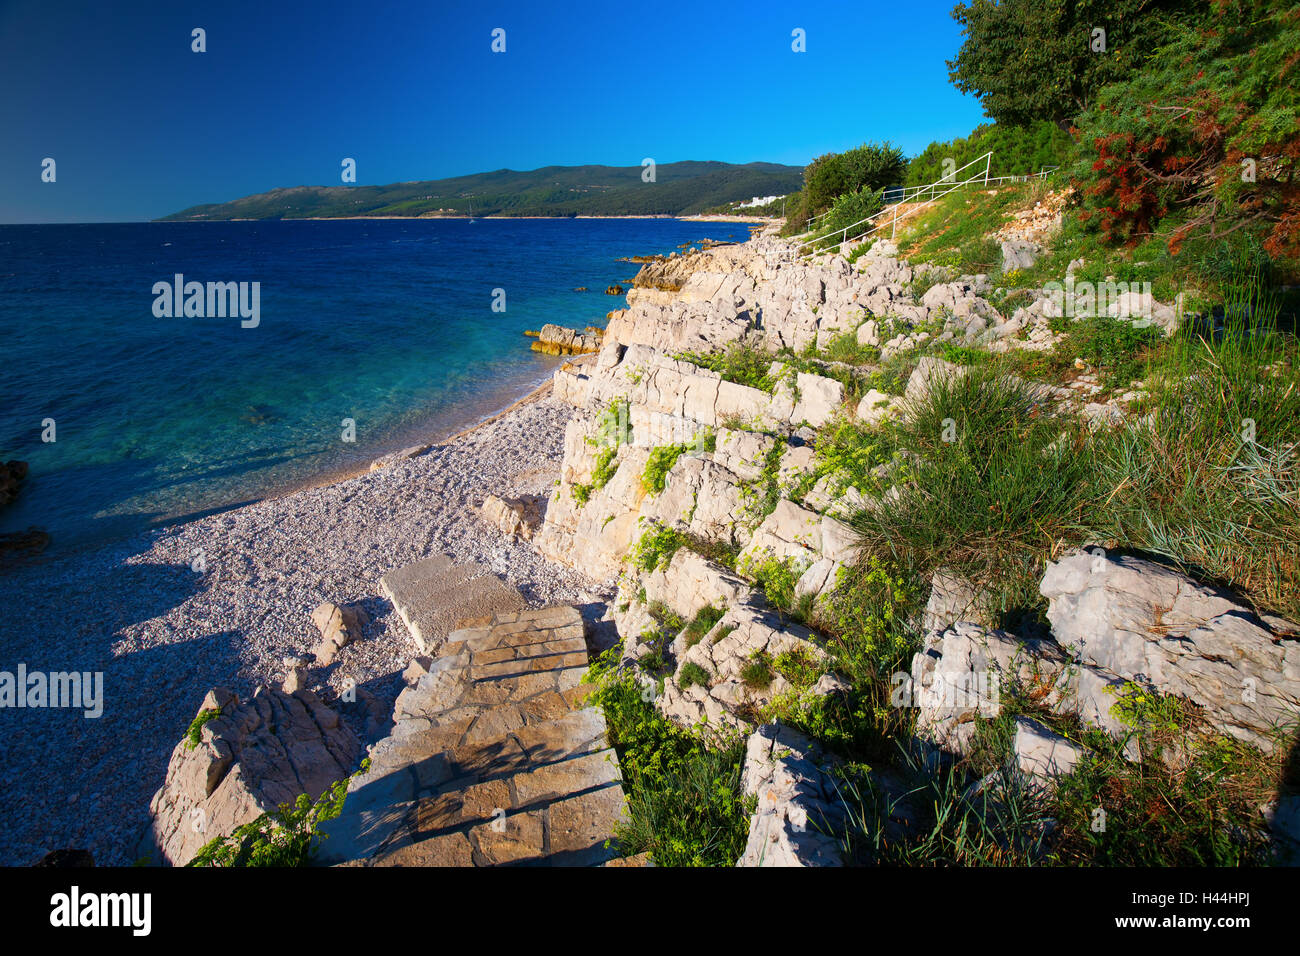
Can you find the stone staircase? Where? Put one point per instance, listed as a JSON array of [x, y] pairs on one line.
[[492, 760]]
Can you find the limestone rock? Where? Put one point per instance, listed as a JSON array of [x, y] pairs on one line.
[[253, 757], [876, 407], [1041, 753], [1020, 254], [798, 811], [516, 517], [1143, 622], [558, 340], [339, 626], [960, 674], [492, 759], [953, 599]]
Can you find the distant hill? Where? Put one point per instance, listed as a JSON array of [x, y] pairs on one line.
[[679, 189]]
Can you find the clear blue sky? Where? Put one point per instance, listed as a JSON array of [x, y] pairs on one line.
[[140, 126]]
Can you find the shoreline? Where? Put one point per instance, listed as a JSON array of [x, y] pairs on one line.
[[163, 633], [331, 474], [338, 474]]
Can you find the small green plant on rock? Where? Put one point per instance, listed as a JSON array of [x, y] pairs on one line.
[[657, 547], [740, 363], [692, 673], [757, 672], [657, 466], [776, 577], [284, 837], [702, 623], [192, 735]]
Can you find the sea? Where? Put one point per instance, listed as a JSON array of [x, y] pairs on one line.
[[358, 338]]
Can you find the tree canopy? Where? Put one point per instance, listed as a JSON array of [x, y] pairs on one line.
[[1031, 60]]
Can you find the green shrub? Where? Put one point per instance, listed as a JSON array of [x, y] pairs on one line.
[[865, 615], [192, 735], [1016, 150], [740, 363], [769, 479], [848, 216], [776, 577], [614, 425], [661, 461], [870, 166], [685, 806], [656, 547], [606, 466], [851, 451], [800, 667]]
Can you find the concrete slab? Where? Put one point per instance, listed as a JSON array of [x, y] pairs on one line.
[[432, 595]]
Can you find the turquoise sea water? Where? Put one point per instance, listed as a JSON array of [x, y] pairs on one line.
[[387, 323]]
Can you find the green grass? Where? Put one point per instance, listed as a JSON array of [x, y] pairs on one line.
[[691, 674], [991, 502], [702, 623], [757, 672], [955, 231], [1118, 350], [844, 347], [1212, 479]]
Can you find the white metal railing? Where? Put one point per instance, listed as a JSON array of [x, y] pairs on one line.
[[913, 193], [891, 210], [909, 192]]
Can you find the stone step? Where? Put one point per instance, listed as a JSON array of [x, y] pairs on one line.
[[432, 594], [492, 760], [559, 813]]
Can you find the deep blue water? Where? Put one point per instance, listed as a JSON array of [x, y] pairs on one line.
[[388, 323]]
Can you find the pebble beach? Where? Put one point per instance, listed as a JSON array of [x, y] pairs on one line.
[[163, 633]]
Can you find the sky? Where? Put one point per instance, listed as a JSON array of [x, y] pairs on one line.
[[139, 125]]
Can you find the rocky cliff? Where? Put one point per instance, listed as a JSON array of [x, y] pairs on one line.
[[686, 486]]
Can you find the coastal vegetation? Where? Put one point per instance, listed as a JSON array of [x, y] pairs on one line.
[[907, 477], [685, 806], [1182, 448]]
